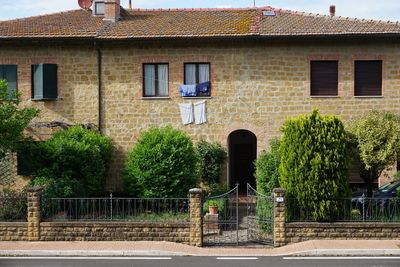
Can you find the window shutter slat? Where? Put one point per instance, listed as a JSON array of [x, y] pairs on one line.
[[50, 81], [368, 77], [324, 78], [11, 77], [44, 81]]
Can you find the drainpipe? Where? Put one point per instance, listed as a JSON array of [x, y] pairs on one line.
[[99, 82]]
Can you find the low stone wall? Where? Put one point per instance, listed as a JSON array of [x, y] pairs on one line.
[[13, 231], [115, 231], [303, 231]]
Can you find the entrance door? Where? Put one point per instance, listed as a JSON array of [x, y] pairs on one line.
[[242, 154]]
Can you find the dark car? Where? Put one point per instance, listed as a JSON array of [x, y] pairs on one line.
[[388, 190]]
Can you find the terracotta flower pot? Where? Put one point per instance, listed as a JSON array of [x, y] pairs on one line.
[[213, 210]]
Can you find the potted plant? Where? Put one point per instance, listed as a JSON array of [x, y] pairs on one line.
[[212, 207]]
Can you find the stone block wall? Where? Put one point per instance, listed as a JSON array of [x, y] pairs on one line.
[[254, 86], [303, 231], [13, 231], [115, 231]]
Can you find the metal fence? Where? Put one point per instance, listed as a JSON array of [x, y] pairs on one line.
[[360, 209], [115, 209], [13, 208]]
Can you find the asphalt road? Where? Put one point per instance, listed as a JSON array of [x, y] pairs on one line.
[[199, 261]]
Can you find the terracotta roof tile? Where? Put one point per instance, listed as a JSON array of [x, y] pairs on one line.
[[75, 23], [173, 23], [162, 23], [297, 23]]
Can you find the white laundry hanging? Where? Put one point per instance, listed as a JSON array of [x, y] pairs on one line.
[[186, 110], [200, 112]]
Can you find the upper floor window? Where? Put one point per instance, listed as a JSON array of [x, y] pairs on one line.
[[324, 78], [197, 80], [99, 8], [155, 79], [368, 78], [9, 73], [44, 81]]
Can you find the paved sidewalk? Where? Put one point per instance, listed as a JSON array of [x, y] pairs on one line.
[[143, 248]]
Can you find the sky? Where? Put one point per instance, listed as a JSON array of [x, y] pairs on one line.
[[366, 9]]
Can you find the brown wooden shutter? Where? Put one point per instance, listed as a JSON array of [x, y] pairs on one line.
[[324, 78], [368, 77]]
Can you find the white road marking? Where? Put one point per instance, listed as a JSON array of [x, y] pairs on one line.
[[237, 258], [85, 258], [342, 258]]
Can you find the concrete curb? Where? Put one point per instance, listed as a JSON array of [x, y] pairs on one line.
[[347, 252], [132, 253], [88, 253]]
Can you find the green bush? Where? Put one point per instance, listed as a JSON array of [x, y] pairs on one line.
[[267, 169], [212, 157], [314, 168], [75, 154], [61, 187], [161, 164]]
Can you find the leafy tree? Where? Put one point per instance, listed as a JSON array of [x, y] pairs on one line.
[[75, 153], [212, 158], [267, 169], [13, 120], [375, 142], [161, 164], [314, 163]]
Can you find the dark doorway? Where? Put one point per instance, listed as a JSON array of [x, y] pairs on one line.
[[242, 154]]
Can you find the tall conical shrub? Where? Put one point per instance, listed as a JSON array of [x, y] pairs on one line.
[[314, 164]]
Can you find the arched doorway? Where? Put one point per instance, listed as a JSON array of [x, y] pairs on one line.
[[242, 148]]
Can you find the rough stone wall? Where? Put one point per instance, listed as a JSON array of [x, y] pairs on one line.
[[13, 231], [303, 231], [114, 231], [77, 85], [255, 86]]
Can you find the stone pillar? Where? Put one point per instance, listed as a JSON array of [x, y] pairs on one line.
[[34, 213], [196, 218], [279, 217]]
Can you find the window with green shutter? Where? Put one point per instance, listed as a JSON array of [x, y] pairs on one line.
[[9, 73], [44, 81]]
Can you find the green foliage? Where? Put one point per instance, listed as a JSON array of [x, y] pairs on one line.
[[161, 164], [314, 168], [13, 205], [212, 203], [375, 143], [13, 120], [58, 188], [212, 158], [267, 169], [74, 154]]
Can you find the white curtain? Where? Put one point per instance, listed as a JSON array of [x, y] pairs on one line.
[[163, 80], [204, 73], [190, 73], [149, 80]]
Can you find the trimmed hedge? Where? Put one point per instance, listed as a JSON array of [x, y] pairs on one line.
[[161, 164], [314, 163]]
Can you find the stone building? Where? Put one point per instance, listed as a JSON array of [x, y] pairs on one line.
[[125, 70]]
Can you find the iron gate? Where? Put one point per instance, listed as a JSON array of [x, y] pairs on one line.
[[239, 220], [260, 217]]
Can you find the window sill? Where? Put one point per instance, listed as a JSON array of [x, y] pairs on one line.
[[46, 99], [155, 98], [368, 96], [196, 97], [325, 96]]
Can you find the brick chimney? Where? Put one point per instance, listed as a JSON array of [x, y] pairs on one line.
[[332, 10], [112, 10]]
